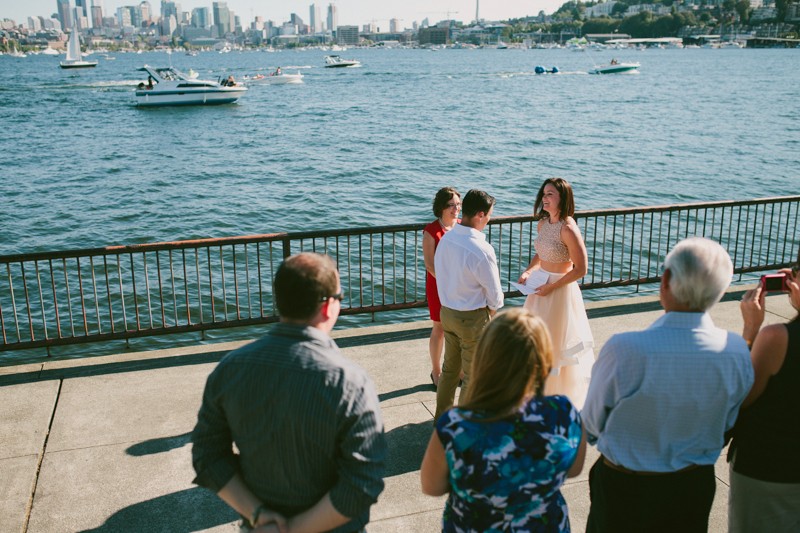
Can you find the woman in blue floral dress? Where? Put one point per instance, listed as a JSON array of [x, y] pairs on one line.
[[505, 451]]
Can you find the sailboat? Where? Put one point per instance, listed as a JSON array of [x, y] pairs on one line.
[[74, 58]]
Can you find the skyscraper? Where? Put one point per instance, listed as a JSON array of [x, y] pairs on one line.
[[64, 14], [394, 26], [333, 18], [200, 18], [222, 18], [97, 13], [315, 21], [145, 11], [82, 7]]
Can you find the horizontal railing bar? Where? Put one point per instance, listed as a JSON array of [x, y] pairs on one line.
[[294, 236], [213, 283]]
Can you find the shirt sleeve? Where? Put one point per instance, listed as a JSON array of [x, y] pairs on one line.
[[489, 277], [602, 396], [362, 453], [212, 444]]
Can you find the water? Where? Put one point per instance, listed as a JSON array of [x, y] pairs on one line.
[[82, 166]]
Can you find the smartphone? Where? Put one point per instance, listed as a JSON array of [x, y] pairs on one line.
[[774, 283]]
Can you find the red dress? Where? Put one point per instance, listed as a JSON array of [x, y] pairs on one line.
[[435, 230]]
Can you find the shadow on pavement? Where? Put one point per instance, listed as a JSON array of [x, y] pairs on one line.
[[194, 509], [406, 447], [159, 445]]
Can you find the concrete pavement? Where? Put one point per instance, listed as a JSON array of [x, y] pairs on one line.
[[102, 444]]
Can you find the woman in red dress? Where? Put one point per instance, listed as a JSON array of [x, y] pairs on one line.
[[446, 206]]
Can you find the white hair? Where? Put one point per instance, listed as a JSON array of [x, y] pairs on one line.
[[700, 271]]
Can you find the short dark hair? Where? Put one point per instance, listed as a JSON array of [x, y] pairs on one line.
[[566, 204], [302, 283], [476, 201], [442, 198]]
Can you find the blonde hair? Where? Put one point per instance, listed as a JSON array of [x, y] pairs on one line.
[[513, 358]]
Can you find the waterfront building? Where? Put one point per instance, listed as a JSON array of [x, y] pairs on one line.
[[434, 35], [347, 35]]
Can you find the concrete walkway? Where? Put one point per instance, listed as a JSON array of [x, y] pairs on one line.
[[102, 444]]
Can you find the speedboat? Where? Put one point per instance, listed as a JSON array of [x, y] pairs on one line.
[[74, 58], [275, 79], [616, 67], [336, 61], [169, 86]]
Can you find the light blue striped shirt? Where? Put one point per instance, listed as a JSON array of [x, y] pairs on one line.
[[661, 399]]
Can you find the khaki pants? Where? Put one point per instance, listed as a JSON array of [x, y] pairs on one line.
[[461, 332]]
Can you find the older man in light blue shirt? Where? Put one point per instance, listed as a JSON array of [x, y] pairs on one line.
[[661, 400]]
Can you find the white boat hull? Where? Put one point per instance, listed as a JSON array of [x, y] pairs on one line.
[[209, 96], [281, 79], [78, 64]]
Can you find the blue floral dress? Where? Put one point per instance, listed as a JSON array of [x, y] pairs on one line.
[[506, 475]]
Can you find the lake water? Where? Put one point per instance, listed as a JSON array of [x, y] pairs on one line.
[[82, 166]]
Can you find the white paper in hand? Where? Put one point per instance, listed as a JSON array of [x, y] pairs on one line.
[[534, 281]]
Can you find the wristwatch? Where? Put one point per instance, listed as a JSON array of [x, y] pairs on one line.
[[256, 514]]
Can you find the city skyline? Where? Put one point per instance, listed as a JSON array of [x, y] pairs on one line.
[[350, 12]]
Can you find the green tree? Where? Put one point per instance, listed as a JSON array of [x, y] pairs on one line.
[[744, 10]]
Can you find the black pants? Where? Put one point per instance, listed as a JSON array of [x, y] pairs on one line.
[[677, 502]]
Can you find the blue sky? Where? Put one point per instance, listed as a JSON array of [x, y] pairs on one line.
[[357, 12]]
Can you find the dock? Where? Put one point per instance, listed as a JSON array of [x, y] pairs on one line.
[[102, 444]]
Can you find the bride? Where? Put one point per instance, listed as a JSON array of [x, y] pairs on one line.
[[561, 255]]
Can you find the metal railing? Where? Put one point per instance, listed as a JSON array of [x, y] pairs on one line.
[[121, 292]]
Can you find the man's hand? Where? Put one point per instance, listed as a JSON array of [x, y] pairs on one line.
[[270, 522]]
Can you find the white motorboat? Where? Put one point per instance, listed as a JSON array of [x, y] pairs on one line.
[[615, 67], [74, 58], [275, 79], [335, 61], [169, 86]]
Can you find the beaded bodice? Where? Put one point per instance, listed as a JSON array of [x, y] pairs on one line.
[[548, 243]]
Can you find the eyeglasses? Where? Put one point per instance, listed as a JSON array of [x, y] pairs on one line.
[[338, 296], [451, 205]]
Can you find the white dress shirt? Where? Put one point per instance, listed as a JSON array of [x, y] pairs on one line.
[[662, 399], [467, 276]]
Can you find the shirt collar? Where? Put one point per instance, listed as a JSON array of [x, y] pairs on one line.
[[684, 320], [466, 230], [302, 331]]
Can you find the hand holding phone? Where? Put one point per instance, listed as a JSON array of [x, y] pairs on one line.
[[774, 282]]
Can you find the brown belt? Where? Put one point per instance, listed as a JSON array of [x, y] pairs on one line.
[[624, 470]]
